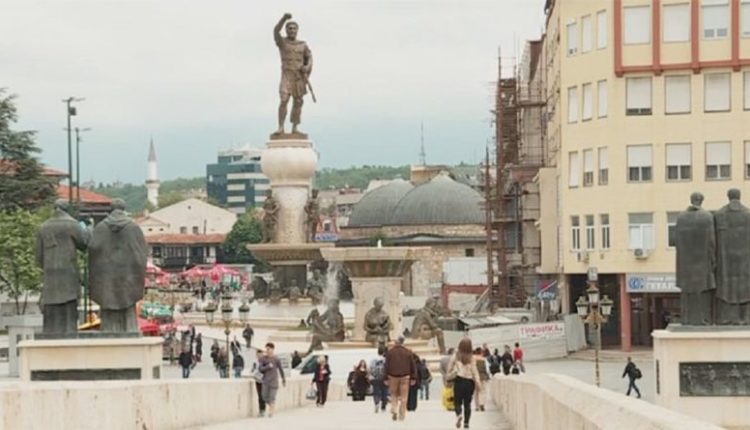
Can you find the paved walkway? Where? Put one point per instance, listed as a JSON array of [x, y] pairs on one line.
[[360, 416]]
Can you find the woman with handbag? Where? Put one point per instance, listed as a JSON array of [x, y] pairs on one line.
[[321, 378], [462, 371]]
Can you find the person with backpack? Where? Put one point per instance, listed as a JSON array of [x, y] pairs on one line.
[[632, 373], [494, 362], [377, 379], [506, 360], [425, 377]]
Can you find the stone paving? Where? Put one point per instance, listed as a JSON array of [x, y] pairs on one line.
[[430, 415]]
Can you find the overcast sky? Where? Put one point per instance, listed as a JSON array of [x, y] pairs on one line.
[[203, 75]]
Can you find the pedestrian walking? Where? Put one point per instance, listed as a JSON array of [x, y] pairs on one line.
[[518, 358], [484, 376], [258, 377], [359, 381], [270, 365], [377, 379], [296, 359], [186, 362], [425, 377], [248, 334], [238, 365], [321, 378], [411, 402], [198, 347], [506, 360], [465, 377], [223, 363], [400, 372], [633, 373], [494, 362], [485, 351], [215, 354]]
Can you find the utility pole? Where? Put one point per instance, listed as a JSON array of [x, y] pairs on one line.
[[78, 163], [422, 153], [70, 111]]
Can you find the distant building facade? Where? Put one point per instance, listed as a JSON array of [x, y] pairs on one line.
[[236, 181], [188, 217]]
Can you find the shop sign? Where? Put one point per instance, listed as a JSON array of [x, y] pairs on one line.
[[651, 283], [550, 330]]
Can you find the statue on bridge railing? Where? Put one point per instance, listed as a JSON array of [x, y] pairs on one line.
[[328, 327], [425, 325]]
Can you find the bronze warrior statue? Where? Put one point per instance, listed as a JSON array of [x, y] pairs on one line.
[[312, 216], [296, 66], [270, 217]]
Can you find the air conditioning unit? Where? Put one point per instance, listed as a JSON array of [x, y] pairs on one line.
[[640, 253], [583, 256]]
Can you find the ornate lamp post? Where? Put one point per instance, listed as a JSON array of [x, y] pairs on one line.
[[227, 312], [595, 311]]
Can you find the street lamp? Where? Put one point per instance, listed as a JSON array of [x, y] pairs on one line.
[[70, 111], [595, 311], [227, 311]]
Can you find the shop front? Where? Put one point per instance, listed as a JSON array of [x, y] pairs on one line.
[[654, 302]]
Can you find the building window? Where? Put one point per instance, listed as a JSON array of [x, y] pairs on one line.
[[718, 160], [745, 18], [586, 33], [588, 102], [637, 25], [677, 94], [572, 38], [469, 252], [183, 230], [590, 239], [150, 229], [671, 223], [639, 163], [679, 162], [638, 96], [601, 105], [747, 159], [604, 222], [572, 104], [746, 90], [156, 252], [588, 168], [196, 230], [641, 231], [601, 29], [574, 170], [717, 88], [676, 22], [603, 166], [715, 18], [575, 233]]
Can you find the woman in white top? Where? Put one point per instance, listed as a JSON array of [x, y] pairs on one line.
[[462, 370]]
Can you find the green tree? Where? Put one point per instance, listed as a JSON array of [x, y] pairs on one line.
[[19, 273], [246, 230], [22, 183]]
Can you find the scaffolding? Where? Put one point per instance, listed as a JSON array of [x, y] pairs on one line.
[[512, 208]]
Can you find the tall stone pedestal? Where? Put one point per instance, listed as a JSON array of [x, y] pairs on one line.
[[376, 272], [290, 165], [704, 372], [87, 359]]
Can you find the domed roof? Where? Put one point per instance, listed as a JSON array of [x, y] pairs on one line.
[[440, 201], [376, 206]]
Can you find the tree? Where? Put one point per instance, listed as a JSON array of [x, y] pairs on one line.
[[246, 230], [19, 273], [22, 182], [170, 198]]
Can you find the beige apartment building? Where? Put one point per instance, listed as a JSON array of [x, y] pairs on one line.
[[647, 101]]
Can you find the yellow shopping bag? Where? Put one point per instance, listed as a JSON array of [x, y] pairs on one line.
[[448, 398]]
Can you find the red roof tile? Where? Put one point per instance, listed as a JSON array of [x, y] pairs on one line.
[[87, 196], [184, 239]]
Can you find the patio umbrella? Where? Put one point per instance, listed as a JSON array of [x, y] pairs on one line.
[[151, 268]]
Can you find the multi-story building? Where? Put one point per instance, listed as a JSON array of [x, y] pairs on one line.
[[236, 181], [647, 101]]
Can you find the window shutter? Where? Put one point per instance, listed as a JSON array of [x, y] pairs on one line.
[[574, 170], [718, 153], [677, 22], [717, 89], [678, 155], [586, 33], [603, 158], [677, 90], [588, 161], [639, 94], [602, 99], [637, 24], [602, 29], [639, 156], [588, 101]]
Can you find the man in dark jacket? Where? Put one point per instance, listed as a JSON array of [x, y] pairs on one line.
[[633, 373], [186, 362], [57, 243], [401, 372], [117, 269]]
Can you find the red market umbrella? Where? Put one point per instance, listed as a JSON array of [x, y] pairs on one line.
[[195, 272], [219, 270], [152, 269]]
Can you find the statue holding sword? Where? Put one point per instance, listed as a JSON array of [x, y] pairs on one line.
[[296, 66]]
